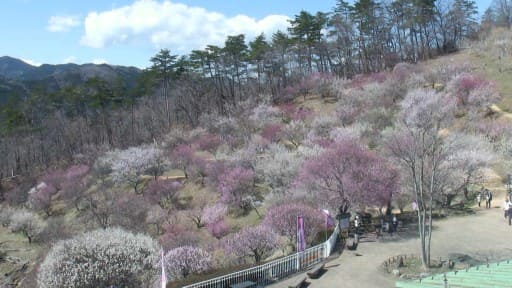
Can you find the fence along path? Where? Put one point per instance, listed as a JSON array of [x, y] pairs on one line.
[[275, 270]]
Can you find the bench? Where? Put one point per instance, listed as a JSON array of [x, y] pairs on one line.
[[316, 271], [298, 283]]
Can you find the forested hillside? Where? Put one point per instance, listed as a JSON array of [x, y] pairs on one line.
[[65, 110]]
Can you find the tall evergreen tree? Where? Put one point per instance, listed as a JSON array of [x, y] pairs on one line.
[[164, 68]]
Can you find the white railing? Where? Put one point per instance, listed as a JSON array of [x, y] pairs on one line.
[[277, 269]]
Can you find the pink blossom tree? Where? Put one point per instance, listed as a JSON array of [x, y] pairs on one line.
[[183, 157], [75, 184], [271, 132], [214, 213], [177, 235], [293, 113], [76, 171], [218, 229], [40, 197], [162, 192], [471, 89], [130, 210], [187, 260], [283, 219], [208, 142], [70, 181], [213, 218], [257, 242], [236, 186], [201, 167], [54, 178], [348, 175]]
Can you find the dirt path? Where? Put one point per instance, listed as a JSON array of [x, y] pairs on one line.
[[495, 108], [486, 233]]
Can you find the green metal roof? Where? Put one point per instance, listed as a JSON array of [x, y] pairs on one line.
[[495, 275]]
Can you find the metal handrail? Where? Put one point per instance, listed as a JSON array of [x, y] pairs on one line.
[[275, 270]]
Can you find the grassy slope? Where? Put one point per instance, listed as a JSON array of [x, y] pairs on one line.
[[488, 59], [18, 251]]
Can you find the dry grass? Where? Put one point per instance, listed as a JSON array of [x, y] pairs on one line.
[[18, 252], [317, 104], [493, 57]]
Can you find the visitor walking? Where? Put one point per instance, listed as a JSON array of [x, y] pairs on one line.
[[394, 223], [510, 213], [506, 208], [357, 222], [488, 198], [479, 198]]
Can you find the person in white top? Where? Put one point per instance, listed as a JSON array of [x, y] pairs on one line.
[[479, 198], [506, 208], [356, 225]]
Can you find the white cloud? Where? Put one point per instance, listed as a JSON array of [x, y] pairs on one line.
[[172, 25], [62, 23], [31, 62], [99, 61], [70, 59]]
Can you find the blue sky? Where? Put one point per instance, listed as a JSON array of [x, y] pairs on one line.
[[129, 32]]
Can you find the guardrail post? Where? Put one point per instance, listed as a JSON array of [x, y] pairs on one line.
[[298, 261]]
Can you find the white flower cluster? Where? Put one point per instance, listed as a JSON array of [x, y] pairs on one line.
[[101, 258]]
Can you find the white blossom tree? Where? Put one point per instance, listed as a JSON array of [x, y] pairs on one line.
[[279, 167], [184, 261], [102, 258], [128, 166], [421, 150], [28, 223]]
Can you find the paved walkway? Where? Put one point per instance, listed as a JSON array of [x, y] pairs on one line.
[[484, 234]]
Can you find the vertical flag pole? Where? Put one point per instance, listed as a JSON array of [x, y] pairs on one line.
[[163, 277], [297, 243]]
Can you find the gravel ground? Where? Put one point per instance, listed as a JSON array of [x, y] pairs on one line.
[[485, 234]]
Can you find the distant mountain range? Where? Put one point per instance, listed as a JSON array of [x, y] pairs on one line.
[[18, 78]]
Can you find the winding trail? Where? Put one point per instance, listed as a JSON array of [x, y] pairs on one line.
[[483, 234]]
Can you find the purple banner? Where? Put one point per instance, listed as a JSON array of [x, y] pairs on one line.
[[301, 239], [329, 222]]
